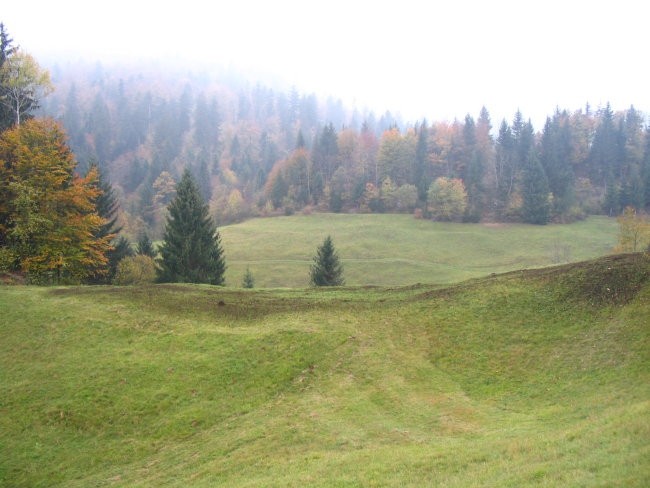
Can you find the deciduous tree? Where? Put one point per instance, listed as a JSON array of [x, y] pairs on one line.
[[447, 199], [633, 231], [23, 83], [48, 217]]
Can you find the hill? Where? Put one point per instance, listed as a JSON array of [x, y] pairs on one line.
[[392, 250], [528, 378]]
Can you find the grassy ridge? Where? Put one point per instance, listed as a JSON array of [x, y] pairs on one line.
[[529, 378], [391, 250]]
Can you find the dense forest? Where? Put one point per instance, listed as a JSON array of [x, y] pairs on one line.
[[257, 150]]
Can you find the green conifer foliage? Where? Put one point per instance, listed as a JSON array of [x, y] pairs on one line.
[[191, 251], [535, 191], [108, 208], [248, 281], [326, 270], [145, 246]]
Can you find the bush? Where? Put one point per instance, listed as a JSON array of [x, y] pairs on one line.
[[447, 199], [135, 270]]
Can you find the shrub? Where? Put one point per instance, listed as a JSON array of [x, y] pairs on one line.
[[447, 199], [135, 270]]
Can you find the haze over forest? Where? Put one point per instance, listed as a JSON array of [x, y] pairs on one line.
[[357, 109]]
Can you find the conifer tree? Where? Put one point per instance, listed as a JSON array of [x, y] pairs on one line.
[[248, 281], [145, 246], [535, 190], [326, 270], [108, 208], [191, 251]]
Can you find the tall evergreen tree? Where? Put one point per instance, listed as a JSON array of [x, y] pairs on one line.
[[421, 176], [645, 171], [326, 270], [108, 208], [535, 208], [504, 168], [555, 157], [603, 156], [191, 251]]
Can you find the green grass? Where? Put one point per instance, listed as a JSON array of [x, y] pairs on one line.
[[535, 378], [390, 250]]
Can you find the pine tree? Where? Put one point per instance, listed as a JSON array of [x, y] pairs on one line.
[[326, 270], [535, 190], [191, 251], [145, 246]]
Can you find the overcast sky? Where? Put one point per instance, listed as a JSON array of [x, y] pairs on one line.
[[430, 59]]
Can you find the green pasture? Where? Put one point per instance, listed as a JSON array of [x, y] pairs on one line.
[[390, 250]]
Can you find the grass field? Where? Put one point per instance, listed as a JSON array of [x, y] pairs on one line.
[[391, 250], [536, 378]]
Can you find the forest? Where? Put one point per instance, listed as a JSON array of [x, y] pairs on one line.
[[92, 158], [261, 151]]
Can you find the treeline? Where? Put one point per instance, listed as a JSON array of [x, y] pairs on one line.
[[259, 151]]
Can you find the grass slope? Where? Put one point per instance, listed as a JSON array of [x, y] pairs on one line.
[[392, 250], [533, 378]]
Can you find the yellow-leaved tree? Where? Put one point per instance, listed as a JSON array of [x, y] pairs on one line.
[[48, 217], [633, 231]]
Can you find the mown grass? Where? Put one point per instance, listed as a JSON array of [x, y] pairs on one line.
[[536, 378], [391, 250]]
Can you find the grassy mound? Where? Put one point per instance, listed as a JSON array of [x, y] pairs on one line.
[[527, 378]]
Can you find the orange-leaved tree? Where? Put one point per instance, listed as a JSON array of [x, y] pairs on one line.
[[48, 218]]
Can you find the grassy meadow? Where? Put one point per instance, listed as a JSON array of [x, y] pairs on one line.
[[530, 378], [390, 250]]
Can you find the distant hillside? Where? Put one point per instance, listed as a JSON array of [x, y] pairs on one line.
[[262, 150], [532, 378]]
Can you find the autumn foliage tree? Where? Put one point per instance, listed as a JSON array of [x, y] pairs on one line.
[[48, 217], [633, 231], [447, 199]]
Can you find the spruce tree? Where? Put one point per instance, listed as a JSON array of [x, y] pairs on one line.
[[145, 246], [191, 251], [326, 270], [248, 281], [535, 190], [108, 208]]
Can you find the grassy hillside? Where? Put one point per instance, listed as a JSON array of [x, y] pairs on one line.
[[394, 250], [536, 378]]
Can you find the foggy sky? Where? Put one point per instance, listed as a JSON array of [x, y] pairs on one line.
[[438, 60]]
